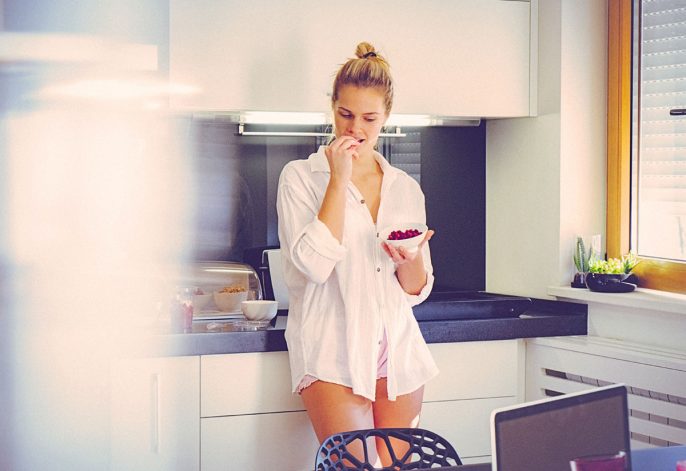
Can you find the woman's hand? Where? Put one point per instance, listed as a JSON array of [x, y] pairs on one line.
[[340, 154], [401, 255]]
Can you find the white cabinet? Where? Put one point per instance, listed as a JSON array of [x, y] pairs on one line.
[[465, 424], [475, 378], [251, 420], [258, 442], [468, 58], [236, 411], [246, 383], [155, 414]]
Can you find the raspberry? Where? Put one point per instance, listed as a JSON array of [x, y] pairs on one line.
[[400, 234]]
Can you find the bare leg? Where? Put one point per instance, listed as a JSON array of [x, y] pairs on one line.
[[401, 413], [333, 408]]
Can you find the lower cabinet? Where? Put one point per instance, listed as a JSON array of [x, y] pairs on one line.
[[465, 424], [258, 442], [155, 414], [250, 420], [236, 411], [474, 379]]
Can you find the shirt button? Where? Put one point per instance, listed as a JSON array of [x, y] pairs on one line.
[[378, 268], [362, 201]]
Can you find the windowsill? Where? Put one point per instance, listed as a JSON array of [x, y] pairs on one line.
[[641, 298]]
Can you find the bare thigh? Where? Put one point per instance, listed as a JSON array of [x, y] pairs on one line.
[[401, 413], [333, 408]]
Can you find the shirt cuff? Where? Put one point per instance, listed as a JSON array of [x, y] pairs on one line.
[[414, 299]]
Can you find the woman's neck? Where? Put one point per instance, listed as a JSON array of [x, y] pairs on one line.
[[366, 164]]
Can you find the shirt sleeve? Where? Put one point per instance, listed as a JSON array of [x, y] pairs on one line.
[[311, 247], [414, 299]]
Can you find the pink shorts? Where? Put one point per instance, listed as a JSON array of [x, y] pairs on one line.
[[381, 366]]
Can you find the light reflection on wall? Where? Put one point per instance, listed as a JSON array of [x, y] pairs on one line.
[[96, 207]]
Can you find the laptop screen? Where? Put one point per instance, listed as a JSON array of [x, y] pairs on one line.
[[547, 434]]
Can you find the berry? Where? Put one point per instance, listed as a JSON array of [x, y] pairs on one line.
[[401, 235]]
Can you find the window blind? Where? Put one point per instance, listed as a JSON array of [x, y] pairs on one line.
[[659, 157]]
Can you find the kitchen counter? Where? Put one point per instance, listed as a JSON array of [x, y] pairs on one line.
[[543, 319]]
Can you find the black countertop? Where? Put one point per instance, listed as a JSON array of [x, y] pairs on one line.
[[543, 319]]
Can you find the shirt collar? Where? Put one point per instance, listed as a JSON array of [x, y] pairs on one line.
[[319, 163]]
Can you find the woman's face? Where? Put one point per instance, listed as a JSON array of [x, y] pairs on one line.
[[360, 113]]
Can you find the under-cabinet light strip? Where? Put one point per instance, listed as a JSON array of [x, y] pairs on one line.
[[323, 119], [243, 132]]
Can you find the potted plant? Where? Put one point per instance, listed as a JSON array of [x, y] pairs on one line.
[[581, 259], [609, 276]]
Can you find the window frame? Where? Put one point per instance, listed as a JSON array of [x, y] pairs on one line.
[[653, 273]]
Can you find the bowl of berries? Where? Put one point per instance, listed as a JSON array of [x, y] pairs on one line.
[[408, 235]]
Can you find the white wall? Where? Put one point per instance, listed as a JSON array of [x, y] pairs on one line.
[[545, 176]]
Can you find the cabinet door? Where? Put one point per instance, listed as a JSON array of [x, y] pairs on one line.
[[465, 424], [247, 383], [474, 379], [477, 369], [456, 58], [156, 414], [258, 442]]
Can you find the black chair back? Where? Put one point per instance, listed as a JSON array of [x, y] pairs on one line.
[[426, 450]]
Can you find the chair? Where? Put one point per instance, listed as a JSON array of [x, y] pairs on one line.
[[426, 450]]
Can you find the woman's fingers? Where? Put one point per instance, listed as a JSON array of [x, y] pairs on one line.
[[343, 147], [344, 142], [394, 253], [340, 154], [427, 238], [390, 251]]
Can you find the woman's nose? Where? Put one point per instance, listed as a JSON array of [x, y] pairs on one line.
[[355, 124]]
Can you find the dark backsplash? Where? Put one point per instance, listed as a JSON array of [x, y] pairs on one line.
[[237, 177], [454, 184]]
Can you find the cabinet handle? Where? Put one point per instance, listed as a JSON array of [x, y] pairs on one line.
[[155, 413], [677, 112]]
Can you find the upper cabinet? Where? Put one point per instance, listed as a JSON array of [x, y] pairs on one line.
[[465, 58]]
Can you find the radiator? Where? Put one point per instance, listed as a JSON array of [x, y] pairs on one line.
[[655, 379]]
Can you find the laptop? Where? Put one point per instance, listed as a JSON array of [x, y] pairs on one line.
[[547, 434]]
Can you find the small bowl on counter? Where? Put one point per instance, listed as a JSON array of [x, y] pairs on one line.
[[230, 301], [201, 300], [259, 310]]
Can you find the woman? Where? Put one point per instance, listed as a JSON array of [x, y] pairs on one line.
[[357, 356]]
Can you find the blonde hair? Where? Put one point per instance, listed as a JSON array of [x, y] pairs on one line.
[[368, 69]]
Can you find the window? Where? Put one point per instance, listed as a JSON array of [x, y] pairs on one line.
[[647, 138]]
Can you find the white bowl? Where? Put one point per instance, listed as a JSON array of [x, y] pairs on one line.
[[410, 244], [259, 310], [200, 301], [229, 302]]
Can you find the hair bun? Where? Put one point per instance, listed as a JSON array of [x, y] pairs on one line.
[[364, 50]]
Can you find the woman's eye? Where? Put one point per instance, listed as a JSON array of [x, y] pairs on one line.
[[346, 116], [370, 120]]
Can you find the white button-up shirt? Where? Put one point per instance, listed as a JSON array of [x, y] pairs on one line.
[[344, 295]]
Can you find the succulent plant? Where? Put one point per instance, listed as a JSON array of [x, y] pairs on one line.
[[614, 266], [581, 257]]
